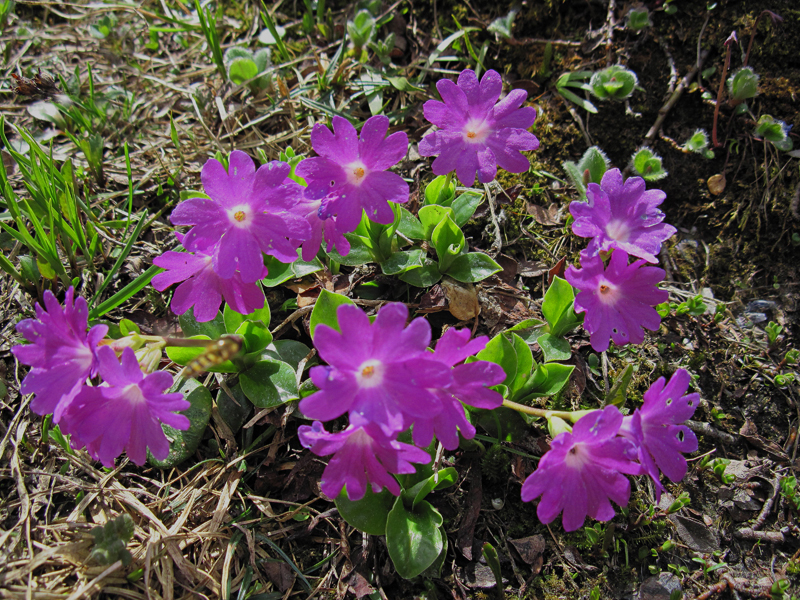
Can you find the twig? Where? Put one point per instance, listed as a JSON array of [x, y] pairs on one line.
[[612, 6], [762, 516], [497, 243], [728, 43], [712, 432], [673, 99]]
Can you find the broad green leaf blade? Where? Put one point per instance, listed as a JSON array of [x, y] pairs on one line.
[[414, 538], [443, 478], [424, 276], [448, 240], [529, 329], [278, 272], [473, 267], [184, 443], [368, 514], [464, 207], [410, 226], [234, 411], [211, 329], [324, 312], [431, 216], [256, 336], [524, 363], [547, 380], [360, 252], [403, 261], [292, 352], [554, 348], [269, 383], [501, 351]]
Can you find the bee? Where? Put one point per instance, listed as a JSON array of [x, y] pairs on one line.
[[215, 353]]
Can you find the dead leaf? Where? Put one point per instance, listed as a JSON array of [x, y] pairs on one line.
[[529, 268], [750, 433], [434, 300], [695, 534], [558, 270], [471, 510], [462, 299], [280, 574], [542, 215], [716, 184], [530, 551], [360, 586], [509, 265]]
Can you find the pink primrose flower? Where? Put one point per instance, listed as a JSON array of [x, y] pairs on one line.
[[249, 212], [350, 174], [202, 287], [621, 215], [362, 454], [476, 133], [618, 301], [320, 228], [380, 371], [658, 431], [469, 384], [583, 471], [61, 352], [124, 413]]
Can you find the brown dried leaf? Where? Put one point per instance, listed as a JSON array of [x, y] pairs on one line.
[[542, 215], [716, 184], [462, 299], [530, 550]]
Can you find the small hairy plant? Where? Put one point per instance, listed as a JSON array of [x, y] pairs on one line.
[[647, 164], [774, 131], [742, 85], [613, 83]]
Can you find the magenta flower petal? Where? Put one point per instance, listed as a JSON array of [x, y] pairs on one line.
[[476, 134], [622, 214], [350, 174], [203, 288], [455, 346], [61, 352], [362, 455], [657, 428], [583, 470], [126, 412], [618, 301]]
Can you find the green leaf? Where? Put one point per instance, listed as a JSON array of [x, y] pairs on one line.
[[504, 424], [547, 380], [269, 383], [183, 355], [241, 70], [464, 207], [424, 276], [125, 293], [448, 240], [431, 216], [524, 363], [402, 84], [619, 390], [368, 514], [292, 352], [410, 226], [360, 251], [403, 261], [501, 351], [256, 335], [557, 307], [211, 329], [324, 312], [184, 443], [554, 348], [414, 538], [502, 25], [435, 195], [582, 102], [529, 329], [234, 411], [127, 327], [443, 478], [278, 272], [473, 267]]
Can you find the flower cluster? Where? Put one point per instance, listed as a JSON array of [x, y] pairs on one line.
[[383, 376], [249, 212], [584, 469], [618, 298], [123, 413]]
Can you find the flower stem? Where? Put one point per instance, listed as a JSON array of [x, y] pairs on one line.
[[445, 187], [541, 412]]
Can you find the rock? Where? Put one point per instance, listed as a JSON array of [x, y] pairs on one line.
[[659, 587]]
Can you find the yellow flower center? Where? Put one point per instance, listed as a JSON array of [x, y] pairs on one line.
[[239, 215], [604, 289], [471, 134], [367, 372], [358, 172]]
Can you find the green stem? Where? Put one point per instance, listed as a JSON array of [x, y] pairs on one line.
[[445, 187], [567, 415]]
